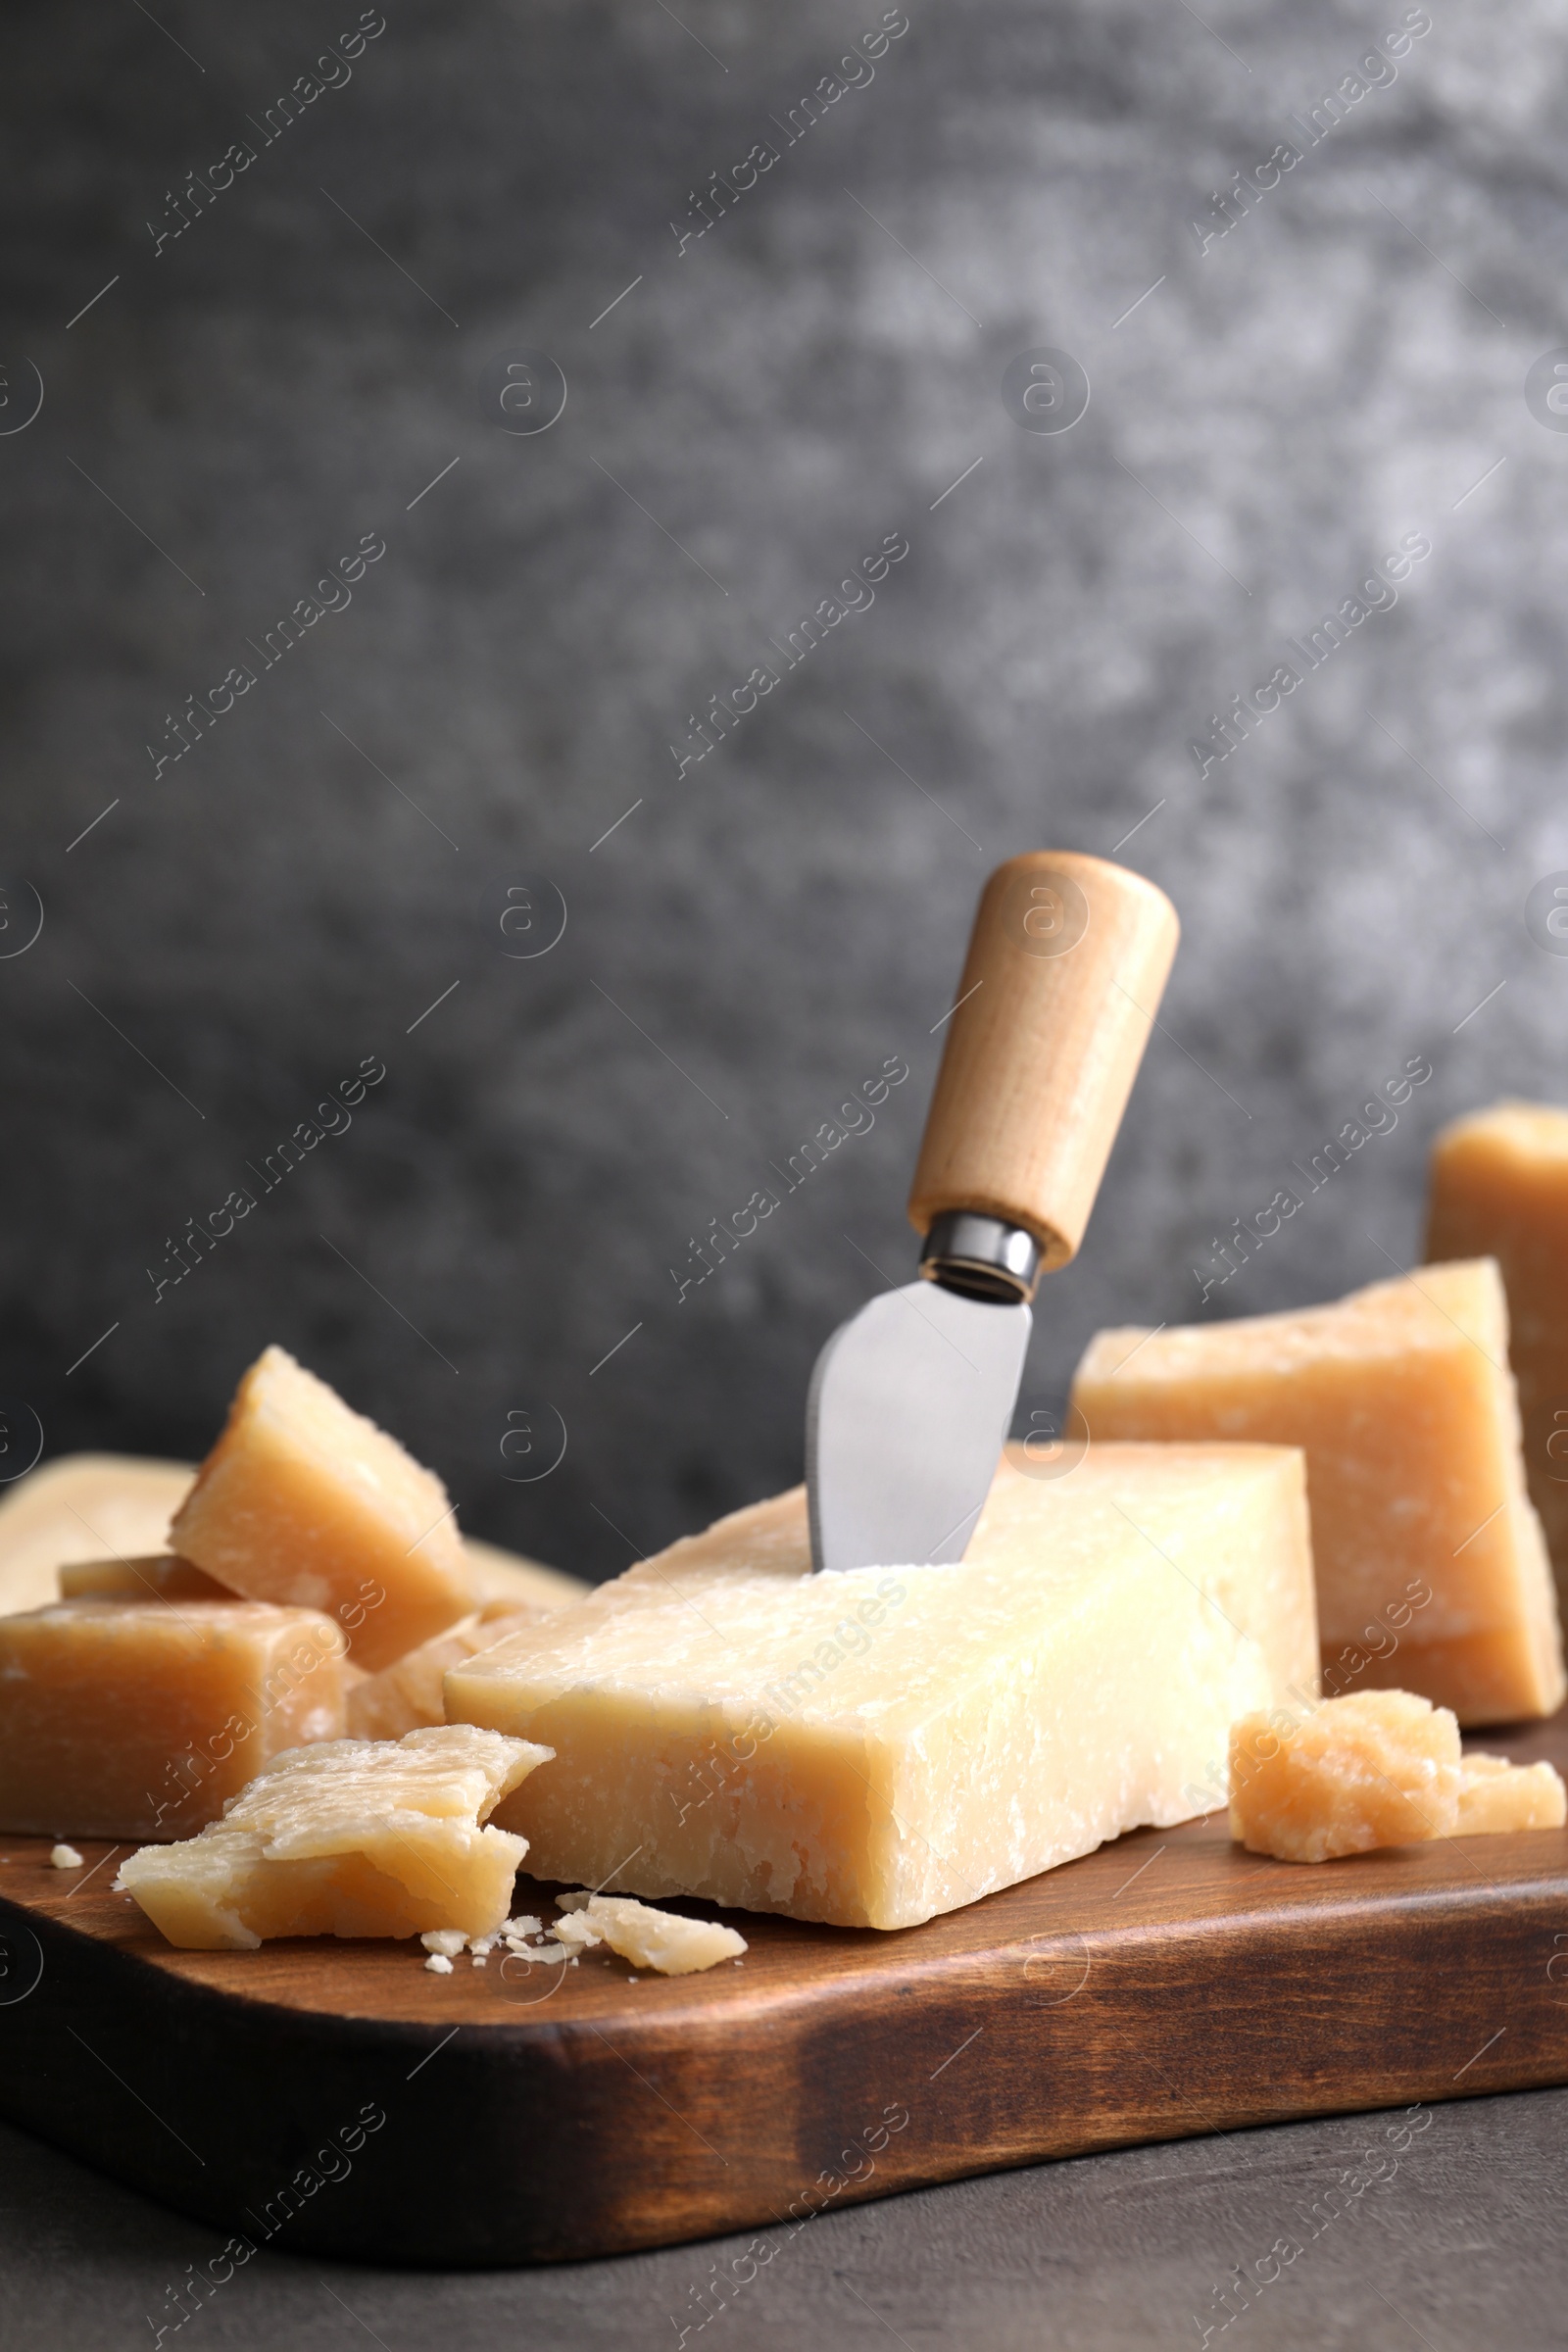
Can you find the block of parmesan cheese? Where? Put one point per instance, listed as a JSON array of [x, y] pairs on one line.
[[661, 1940], [1431, 1572], [1379, 1768], [407, 1693], [131, 1719], [304, 1501], [1494, 1794], [82, 1506], [1499, 1189], [873, 1747], [349, 1837], [159, 1576]]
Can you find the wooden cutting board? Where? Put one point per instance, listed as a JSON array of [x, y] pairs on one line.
[[338, 2097]]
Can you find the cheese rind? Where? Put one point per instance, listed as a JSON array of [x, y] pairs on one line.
[[1379, 1768], [1499, 1188], [351, 1838], [1431, 1572], [873, 1747], [304, 1501], [1496, 1796], [131, 1719]]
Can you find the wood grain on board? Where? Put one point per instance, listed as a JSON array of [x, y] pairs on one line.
[[338, 2097]]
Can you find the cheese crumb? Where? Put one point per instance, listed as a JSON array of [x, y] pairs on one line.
[[525, 1925], [65, 1857], [637, 1932], [1379, 1768], [447, 1941], [1494, 1794], [439, 1965], [652, 1938], [577, 1931]]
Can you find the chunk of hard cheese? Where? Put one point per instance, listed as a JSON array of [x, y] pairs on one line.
[[659, 1940], [1379, 1768], [352, 1837], [161, 1576], [1431, 1569], [82, 1504], [1494, 1794], [140, 1717], [876, 1746], [78, 1507], [304, 1501], [1499, 1189], [407, 1693], [496, 1575]]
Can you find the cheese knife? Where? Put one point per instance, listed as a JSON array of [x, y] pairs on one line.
[[911, 1401]]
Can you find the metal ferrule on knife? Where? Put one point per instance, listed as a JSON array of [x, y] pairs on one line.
[[983, 1258]]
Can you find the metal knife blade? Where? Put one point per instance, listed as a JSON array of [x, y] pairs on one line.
[[910, 1401], [908, 1406]]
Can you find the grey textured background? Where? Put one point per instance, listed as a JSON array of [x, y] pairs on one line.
[[1339, 371]]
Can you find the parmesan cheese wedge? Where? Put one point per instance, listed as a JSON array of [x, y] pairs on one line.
[[132, 1719], [1432, 1573], [873, 1747], [350, 1838], [1499, 1189], [407, 1693], [304, 1501], [661, 1940], [75, 1507]]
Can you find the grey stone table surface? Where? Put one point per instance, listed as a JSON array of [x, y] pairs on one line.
[[1459, 2248]]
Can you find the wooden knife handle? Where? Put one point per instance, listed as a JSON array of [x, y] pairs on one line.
[[1066, 964]]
